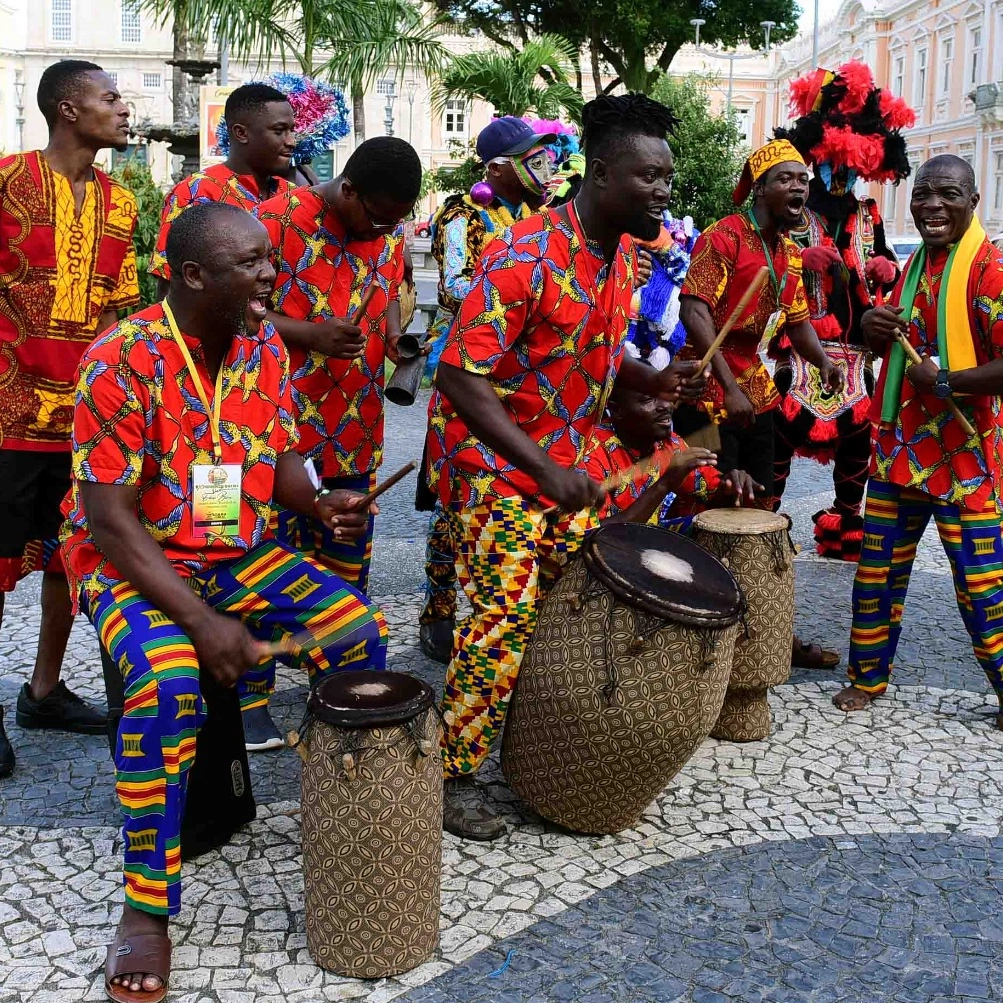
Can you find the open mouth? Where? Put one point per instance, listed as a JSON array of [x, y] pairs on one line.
[[795, 205], [936, 226], [256, 307], [657, 212]]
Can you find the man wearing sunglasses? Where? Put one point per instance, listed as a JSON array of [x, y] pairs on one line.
[[331, 244]]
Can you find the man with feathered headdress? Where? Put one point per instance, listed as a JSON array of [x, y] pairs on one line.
[[849, 130]]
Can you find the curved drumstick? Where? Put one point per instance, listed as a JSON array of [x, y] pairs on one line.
[[619, 479], [367, 298], [736, 315], [913, 356]]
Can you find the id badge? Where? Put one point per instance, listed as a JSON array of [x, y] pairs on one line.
[[215, 500], [772, 326]]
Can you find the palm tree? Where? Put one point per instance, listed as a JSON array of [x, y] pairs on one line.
[[353, 42], [516, 82]]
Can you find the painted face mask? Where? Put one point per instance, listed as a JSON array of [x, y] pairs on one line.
[[533, 169], [837, 182]]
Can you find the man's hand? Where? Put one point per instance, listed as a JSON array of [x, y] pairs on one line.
[[571, 491], [683, 463], [643, 268], [881, 325], [879, 271], [339, 339], [832, 377], [684, 380], [924, 376], [340, 512], [225, 648], [820, 259], [742, 487], [739, 408]]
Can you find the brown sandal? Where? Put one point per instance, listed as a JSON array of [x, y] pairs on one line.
[[812, 656], [143, 953]]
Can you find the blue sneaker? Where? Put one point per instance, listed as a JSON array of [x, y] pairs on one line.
[[260, 733]]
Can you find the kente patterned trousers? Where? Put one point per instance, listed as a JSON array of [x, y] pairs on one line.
[[510, 555], [277, 592], [440, 570], [894, 521], [348, 559]]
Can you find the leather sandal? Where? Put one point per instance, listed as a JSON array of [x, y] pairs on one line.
[[812, 656], [144, 954]]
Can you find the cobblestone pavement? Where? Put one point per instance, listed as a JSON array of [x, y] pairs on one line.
[[852, 858]]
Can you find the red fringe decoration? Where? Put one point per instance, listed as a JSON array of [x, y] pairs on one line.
[[824, 434], [805, 91], [838, 536], [859, 83], [842, 147], [827, 328], [896, 113]]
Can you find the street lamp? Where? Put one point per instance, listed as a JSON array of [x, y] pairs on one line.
[[388, 112], [698, 22], [410, 89], [19, 107]]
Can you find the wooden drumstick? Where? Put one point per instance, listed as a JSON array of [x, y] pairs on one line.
[[914, 357], [365, 501], [367, 298], [617, 480], [736, 316]]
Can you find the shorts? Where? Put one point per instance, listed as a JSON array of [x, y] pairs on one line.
[[32, 488]]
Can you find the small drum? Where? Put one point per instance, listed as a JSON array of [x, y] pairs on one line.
[[757, 547], [372, 823], [623, 679]]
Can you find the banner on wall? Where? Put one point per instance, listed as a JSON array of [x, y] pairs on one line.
[[212, 101]]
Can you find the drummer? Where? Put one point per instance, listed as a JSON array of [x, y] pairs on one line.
[[522, 382], [637, 431]]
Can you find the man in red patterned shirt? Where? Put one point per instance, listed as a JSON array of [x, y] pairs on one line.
[[525, 376], [330, 246], [259, 120]]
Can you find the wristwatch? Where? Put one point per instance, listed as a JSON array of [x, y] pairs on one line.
[[317, 497], [942, 385]]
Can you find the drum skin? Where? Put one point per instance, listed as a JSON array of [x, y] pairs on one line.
[[372, 844], [590, 748], [757, 548]]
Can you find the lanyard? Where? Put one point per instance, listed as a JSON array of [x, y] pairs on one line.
[[211, 413], [778, 287]]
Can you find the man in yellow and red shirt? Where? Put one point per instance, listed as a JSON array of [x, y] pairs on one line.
[[183, 436], [260, 124], [67, 265]]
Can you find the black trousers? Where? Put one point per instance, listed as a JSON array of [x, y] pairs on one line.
[[749, 449]]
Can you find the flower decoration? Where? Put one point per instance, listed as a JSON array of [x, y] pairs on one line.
[[566, 145], [321, 115]]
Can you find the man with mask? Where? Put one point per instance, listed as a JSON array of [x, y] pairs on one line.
[[517, 168]]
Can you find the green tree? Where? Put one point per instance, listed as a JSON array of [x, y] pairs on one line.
[[354, 42], [135, 175], [636, 40], [532, 78], [707, 148]]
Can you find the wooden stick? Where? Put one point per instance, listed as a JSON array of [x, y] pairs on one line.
[[914, 358], [736, 316], [386, 485], [619, 479], [367, 298]]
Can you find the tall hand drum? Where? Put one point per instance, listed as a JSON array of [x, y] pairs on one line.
[[372, 823], [623, 679], [757, 547]]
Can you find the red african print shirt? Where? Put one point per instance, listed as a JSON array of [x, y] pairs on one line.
[[608, 456], [138, 420], [545, 321], [925, 449], [726, 258], [321, 272], [60, 270], [217, 183]]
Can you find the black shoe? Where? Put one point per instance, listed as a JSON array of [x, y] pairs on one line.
[[466, 813], [61, 709], [436, 639], [6, 751], [260, 732]]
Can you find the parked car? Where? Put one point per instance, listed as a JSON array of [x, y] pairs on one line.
[[903, 247]]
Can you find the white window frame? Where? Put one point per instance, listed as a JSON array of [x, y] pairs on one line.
[[455, 117], [997, 182], [898, 74], [130, 24], [60, 31], [387, 87], [744, 124], [921, 75], [973, 63], [152, 81], [113, 76], [892, 206], [945, 70]]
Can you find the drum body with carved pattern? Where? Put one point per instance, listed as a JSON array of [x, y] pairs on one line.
[[623, 678], [756, 546], [372, 823]]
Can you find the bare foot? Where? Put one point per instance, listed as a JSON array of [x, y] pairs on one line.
[[135, 922], [850, 699]]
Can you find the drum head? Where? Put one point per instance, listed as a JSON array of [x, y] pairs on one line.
[[741, 521], [366, 698], [665, 574]]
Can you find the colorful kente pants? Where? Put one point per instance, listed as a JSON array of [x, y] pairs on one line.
[[276, 592], [348, 559], [440, 571], [894, 521], [510, 556]]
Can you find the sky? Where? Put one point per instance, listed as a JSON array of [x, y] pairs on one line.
[[826, 11]]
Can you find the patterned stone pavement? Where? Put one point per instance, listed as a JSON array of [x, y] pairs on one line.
[[845, 858]]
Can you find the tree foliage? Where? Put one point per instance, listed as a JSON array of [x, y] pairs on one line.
[[135, 175], [350, 42], [638, 40], [707, 148], [461, 176], [532, 79]]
